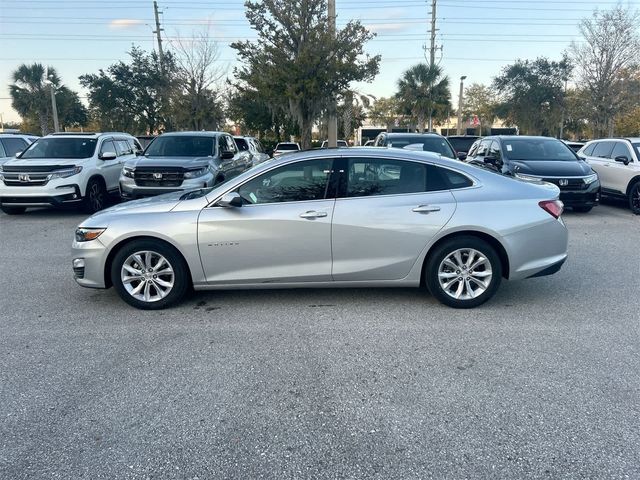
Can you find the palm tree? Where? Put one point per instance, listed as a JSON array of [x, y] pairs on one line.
[[424, 93], [30, 93]]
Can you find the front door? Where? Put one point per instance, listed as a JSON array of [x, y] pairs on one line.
[[281, 234], [389, 211]]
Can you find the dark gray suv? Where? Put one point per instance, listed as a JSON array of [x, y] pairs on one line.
[[182, 161]]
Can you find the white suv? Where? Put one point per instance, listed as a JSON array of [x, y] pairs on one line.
[[617, 163], [61, 168]]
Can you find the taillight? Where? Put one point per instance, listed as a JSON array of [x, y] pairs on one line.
[[552, 207]]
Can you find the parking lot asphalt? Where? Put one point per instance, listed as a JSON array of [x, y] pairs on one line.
[[542, 382]]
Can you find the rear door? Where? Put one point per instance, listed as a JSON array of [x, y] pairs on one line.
[[387, 212]]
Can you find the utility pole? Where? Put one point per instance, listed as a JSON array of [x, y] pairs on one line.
[[157, 32], [564, 106], [332, 120], [54, 108], [432, 56], [460, 103]]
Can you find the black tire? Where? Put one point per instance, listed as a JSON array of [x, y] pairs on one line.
[[634, 198], [181, 276], [13, 210], [441, 252], [95, 198], [582, 209]]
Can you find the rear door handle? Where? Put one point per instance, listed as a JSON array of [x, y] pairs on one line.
[[313, 214], [426, 209]]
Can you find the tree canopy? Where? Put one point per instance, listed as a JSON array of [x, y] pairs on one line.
[[297, 65]]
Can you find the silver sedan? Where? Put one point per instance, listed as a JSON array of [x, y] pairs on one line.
[[340, 218]]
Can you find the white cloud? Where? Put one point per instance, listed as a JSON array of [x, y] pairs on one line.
[[121, 23], [386, 27]]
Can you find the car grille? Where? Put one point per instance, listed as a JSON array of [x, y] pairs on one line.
[[32, 179], [572, 183], [159, 177]]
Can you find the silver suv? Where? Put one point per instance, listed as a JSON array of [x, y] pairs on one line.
[[182, 161], [617, 163], [12, 144], [62, 168]]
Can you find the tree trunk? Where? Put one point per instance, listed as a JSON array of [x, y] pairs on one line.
[[421, 123], [44, 123], [306, 124]]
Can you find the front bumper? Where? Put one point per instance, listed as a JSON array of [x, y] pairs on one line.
[[36, 196], [130, 191], [88, 263], [589, 197]]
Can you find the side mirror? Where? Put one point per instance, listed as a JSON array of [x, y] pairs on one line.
[[231, 199], [461, 156], [226, 155], [622, 159], [491, 160], [17, 154], [139, 153], [108, 156]]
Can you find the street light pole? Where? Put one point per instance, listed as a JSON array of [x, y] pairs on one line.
[[460, 101], [332, 120], [54, 105]]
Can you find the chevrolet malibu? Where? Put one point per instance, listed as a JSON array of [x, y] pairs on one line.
[[338, 218]]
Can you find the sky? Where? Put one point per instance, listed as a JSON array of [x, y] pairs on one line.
[[477, 37]]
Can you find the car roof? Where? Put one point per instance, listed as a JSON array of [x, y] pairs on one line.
[[193, 134], [86, 134], [463, 136], [411, 134]]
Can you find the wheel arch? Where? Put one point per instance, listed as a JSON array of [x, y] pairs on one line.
[[631, 183], [491, 240], [94, 176], [125, 241]]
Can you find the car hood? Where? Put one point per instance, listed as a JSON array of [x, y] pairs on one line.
[[551, 168], [158, 204], [184, 162], [45, 162]]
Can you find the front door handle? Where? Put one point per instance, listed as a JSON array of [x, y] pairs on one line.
[[426, 209], [313, 214]]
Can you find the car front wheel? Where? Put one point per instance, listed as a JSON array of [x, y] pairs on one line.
[[463, 272], [149, 274], [634, 198]]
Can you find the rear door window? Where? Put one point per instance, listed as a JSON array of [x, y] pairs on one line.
[[376, 176], [603, 149], [589, 149]]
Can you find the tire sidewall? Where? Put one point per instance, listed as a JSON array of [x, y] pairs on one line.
[[632, 191], [444, 250], [182, 279], [88, 206]]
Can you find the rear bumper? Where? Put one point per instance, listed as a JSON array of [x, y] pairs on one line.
[[550, 270], [35, 197]]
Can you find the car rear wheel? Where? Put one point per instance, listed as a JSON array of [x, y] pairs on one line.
[[149, 274], [634, 198], [13, 210], [463, 272]]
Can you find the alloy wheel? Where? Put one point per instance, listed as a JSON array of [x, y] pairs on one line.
[[147, 276], [96, 198], [465, 274], [635, 198]]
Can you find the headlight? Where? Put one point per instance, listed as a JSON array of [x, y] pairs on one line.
[[65, 173], [87, 234], [530, 178], [128, 172], [196, 173], [590, 179]]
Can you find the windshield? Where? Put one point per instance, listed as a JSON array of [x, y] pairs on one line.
[[59, 147], [181, 146], [537, 149], [287, 146], [429, 144]]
